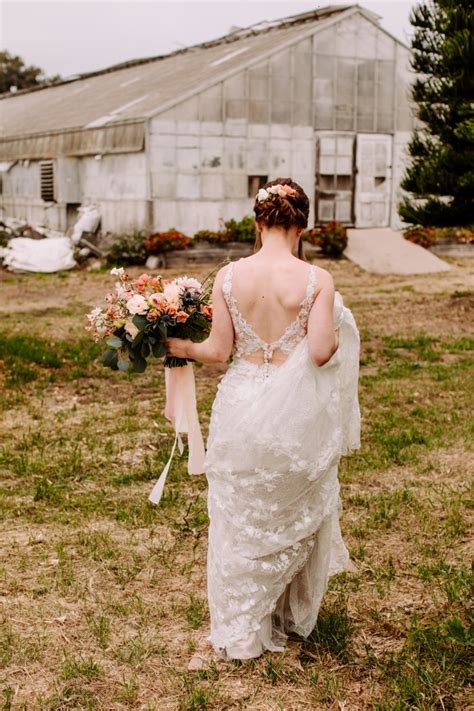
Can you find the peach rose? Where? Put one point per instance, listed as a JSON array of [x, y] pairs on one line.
[[153, 314], [288, 190], [206, 311], [157, 301], [181, 316]]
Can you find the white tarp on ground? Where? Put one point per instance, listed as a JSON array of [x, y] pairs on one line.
[[88, 221], [382, 250], [39, 255], [51, 254]]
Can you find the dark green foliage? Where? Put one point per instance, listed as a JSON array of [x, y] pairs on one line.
[[441, 173], [128, 248], [330, 237], [151, 339], [14, 72], [214, 237], [241, 230]]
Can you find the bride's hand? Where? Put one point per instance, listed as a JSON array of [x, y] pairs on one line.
[[177, 347]]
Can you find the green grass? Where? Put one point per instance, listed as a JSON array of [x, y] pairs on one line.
[[435, 660], [104, 594], [332, 634], [29, 358]]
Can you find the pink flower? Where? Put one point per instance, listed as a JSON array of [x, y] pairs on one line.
[[172, 291], [142, 279], [137, 305]]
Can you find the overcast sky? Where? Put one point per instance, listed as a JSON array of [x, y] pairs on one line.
[[73, 36]]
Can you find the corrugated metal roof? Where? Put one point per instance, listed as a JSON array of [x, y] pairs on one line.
[[117, 138], [141, 88]]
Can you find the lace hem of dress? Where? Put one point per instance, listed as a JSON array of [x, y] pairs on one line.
[[268, 632]]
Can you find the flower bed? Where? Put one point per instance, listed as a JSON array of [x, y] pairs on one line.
[[331, 238], [235, 238], [158, 242], [430, 236]]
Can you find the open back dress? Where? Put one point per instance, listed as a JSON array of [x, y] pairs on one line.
[[276, 436]]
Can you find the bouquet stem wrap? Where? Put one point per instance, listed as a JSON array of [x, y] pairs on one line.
[[181, 410]]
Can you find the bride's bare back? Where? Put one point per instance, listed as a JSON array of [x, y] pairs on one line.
[[272, 299]]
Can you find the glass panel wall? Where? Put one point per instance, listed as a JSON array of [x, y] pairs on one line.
[[259, 93], [342, 78], [277, 90], [210, 104], [354, 81]]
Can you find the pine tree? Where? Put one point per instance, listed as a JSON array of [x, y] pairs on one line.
[[441, 171], [14, 72]]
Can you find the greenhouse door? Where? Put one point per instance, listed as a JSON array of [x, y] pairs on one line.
[[373, 179], [335, 177]]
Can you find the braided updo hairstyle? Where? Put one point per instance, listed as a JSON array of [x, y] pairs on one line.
[[282, 211]]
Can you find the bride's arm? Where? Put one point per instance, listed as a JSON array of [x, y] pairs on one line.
[[218, 346], [322, 338]]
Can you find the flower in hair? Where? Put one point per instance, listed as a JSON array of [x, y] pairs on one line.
[[279, 189]]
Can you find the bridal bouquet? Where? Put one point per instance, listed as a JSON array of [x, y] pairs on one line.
[[136, 321], [140, 315]]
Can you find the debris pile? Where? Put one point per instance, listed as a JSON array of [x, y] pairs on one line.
[[36, 248]]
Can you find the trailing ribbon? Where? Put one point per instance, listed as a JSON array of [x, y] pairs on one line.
[[181, 410]]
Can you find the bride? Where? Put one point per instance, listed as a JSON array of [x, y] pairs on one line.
[[285, 411]]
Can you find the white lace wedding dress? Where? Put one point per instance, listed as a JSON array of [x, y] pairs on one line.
[[276, 435]]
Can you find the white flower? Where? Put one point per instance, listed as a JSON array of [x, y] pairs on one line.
[[118, 271], [262, 194], [189, 283], [94, 313], [120, 290], [172, 291], [137, 305]]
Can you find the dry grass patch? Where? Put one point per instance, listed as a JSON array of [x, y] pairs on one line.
[[104, 595]]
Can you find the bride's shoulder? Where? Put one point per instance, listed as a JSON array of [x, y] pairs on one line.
[[222, 272], [218, 283], [324, 278]]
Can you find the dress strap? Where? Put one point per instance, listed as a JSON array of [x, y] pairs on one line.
[[307, 303], [227, 283], [312, 280]]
